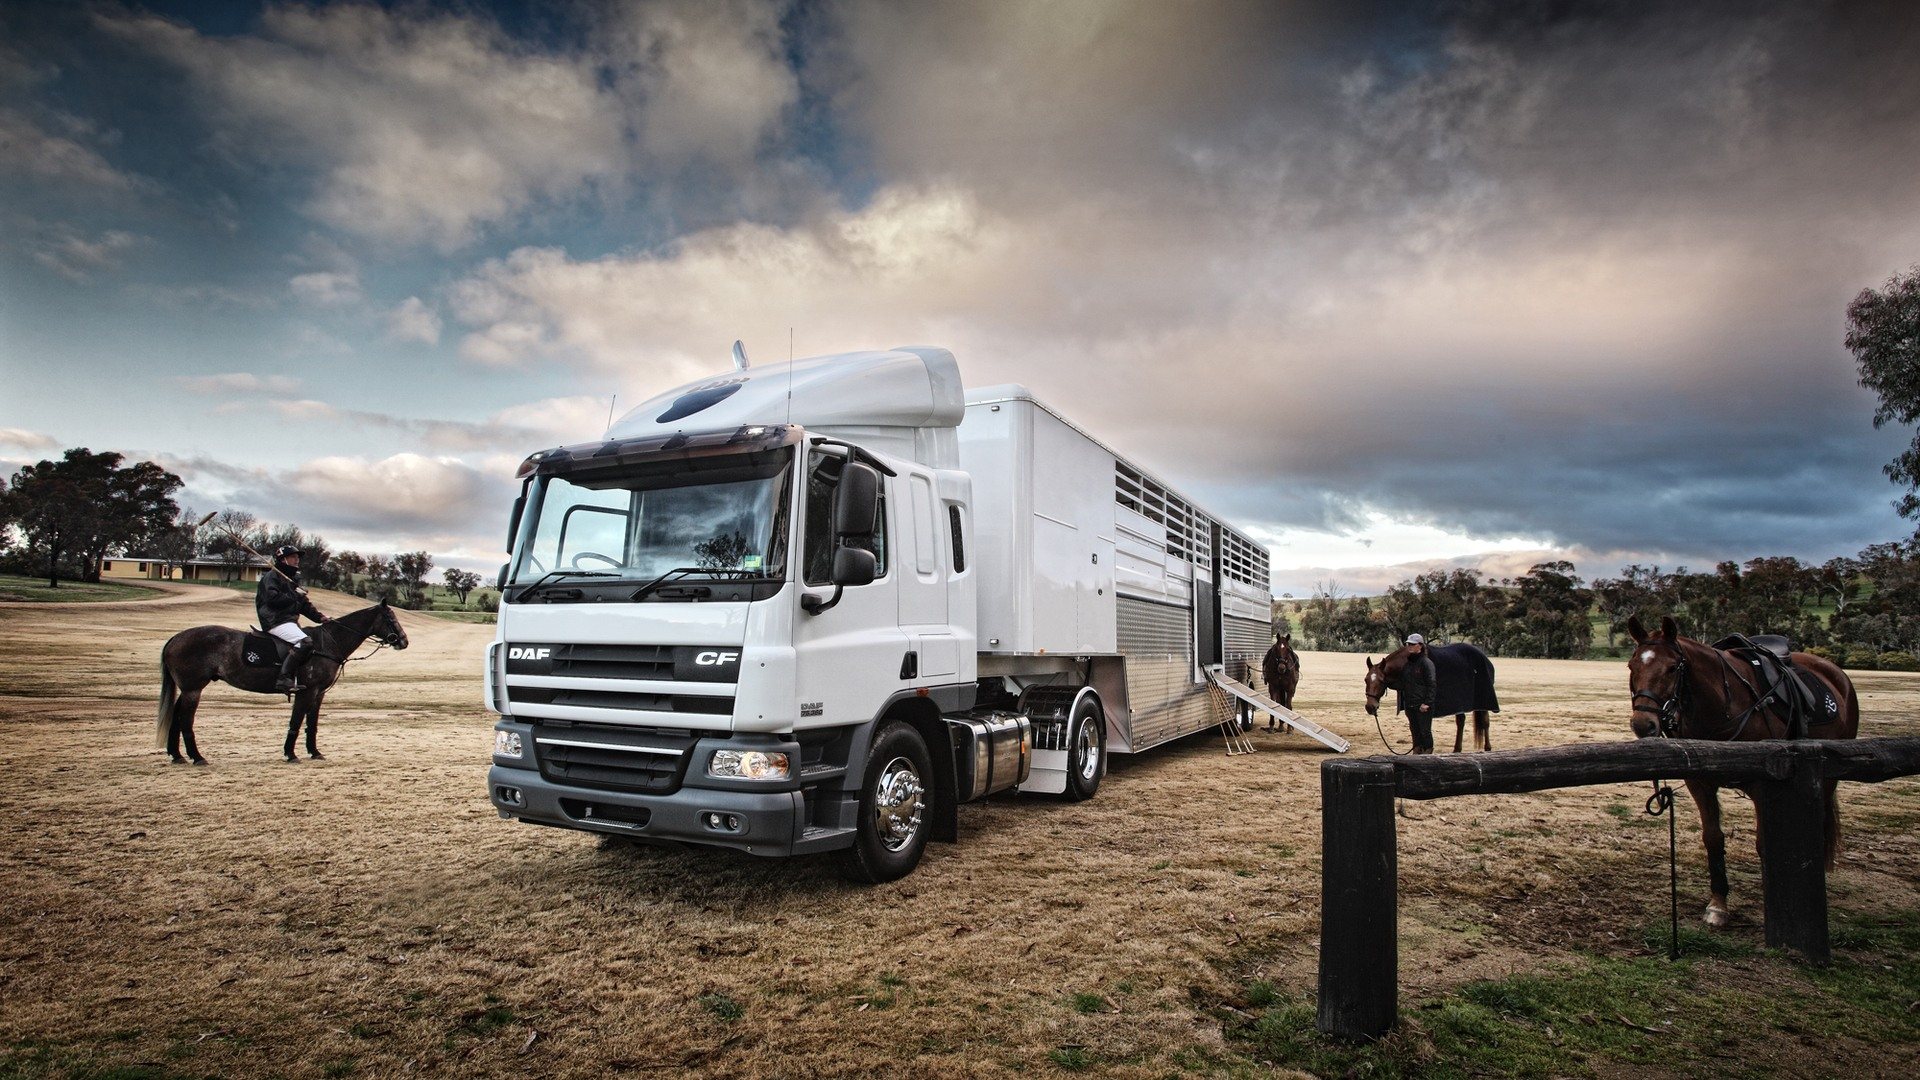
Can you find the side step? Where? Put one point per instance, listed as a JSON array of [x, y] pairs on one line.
[[1217, 675]]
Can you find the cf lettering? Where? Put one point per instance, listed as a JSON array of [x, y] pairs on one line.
[[709, 659]]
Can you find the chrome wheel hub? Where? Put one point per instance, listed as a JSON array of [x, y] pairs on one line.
[[1089, 750], [896, 804]]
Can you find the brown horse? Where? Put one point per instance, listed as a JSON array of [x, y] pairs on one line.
[[193, 658], [1685, 689], [1280, 670], [1463, 678]]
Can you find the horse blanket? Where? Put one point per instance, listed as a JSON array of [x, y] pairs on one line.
[[1463, 680]]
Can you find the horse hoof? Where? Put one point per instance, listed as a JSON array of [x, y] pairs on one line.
[[316, 755], [199, 761], [176, 760], [1716, 918], [291, 760]]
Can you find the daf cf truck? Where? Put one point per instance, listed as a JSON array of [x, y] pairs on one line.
[[814, 607]]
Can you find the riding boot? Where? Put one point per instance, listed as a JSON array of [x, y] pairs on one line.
[[296, 656]]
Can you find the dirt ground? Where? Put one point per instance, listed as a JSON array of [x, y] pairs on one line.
[[370, 915]]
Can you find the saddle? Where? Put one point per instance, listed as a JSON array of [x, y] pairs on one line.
[[1785, 689], [263, 650]]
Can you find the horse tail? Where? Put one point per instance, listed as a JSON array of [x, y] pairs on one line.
[[169, 693]]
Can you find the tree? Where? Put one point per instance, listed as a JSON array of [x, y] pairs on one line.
[[78, 509], [178, 543], [461, 582], [1888, 620], [232, 529], [412, 569], [1883, 333], [1551, 609], [348, 566]]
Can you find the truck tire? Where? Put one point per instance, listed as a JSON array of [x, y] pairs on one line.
[[1086, 750], [895, 788]]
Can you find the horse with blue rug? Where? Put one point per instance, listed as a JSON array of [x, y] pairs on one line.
[[1455, 679]]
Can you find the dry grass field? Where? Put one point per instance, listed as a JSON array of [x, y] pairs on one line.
[[370, 915]]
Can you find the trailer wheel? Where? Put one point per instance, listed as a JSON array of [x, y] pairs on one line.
[[895, 789], [1086, 750]]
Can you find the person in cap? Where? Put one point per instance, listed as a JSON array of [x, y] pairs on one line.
[[1415, 694], [280, 602]]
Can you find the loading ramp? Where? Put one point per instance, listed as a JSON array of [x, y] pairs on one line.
[[1218, 676]]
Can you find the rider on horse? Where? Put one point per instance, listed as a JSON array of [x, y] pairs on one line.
[[280, 601]]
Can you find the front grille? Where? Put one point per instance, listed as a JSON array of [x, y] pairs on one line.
[[614, 760], [614, 661], [617, 699]]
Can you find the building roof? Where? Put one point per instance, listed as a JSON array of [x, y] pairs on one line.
[[249, 561]]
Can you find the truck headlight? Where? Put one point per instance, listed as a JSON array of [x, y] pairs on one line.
[[507, 744], [748, 765]]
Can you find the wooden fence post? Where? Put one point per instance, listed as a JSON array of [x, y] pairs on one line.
[[1359, 902], [1793, 860]]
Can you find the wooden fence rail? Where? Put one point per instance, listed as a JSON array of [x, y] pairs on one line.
[[1359, 865]]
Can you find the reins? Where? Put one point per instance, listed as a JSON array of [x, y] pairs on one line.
[[381, 641]]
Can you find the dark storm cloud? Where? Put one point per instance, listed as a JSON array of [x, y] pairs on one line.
[[1568, 271]]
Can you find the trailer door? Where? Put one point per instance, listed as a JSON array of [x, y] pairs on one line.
[[1206, 600]]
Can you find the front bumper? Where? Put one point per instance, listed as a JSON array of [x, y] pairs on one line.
[[703, 810]]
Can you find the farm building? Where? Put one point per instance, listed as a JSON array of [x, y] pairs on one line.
[[135, 566]]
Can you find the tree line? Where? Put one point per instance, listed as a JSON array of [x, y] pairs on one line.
[[59, 518], [1862, 611]]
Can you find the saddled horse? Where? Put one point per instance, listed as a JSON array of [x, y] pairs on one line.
[[1280, 670], [1686, 689], [193, 658], [1463, 683]]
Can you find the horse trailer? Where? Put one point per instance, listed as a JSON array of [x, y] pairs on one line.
[[816, 606]]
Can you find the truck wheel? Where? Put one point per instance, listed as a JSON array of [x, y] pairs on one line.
[[894, 792], [1086, 750]]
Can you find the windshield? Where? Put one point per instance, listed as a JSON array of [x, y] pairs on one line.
[[726, 518]]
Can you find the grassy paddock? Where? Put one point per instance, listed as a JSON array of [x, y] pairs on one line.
[[370, 915], [1716, 1012], [36, 590]]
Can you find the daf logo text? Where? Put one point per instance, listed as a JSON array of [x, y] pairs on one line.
[[709, 659]]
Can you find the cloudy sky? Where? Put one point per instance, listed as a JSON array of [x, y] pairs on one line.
[[1460, 283]]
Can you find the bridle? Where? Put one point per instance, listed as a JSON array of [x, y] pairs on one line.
[[1667, 713], [383, 639]]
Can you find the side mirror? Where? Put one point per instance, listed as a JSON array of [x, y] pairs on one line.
[[501, 581], [513, 522], [857, 504], [853, 566]]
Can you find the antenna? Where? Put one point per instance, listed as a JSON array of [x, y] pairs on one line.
[[610, 403], [789, 374], [739, 357]]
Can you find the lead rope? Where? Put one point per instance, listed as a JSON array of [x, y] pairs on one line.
[[1661, 802]]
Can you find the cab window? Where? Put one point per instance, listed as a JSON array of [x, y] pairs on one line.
[[823, 478]]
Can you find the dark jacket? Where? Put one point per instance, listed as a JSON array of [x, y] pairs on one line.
[[1417, 684], [281, 601]]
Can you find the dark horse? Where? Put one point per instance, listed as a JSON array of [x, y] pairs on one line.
[[1463, 683], [193, 658], [1685, 689], [1280, 670]]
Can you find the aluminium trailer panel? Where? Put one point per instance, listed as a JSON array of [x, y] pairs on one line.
[[1084, 553]]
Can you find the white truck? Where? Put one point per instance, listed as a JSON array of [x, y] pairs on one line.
[[816, 606]]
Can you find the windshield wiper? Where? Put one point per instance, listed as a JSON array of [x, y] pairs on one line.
[[647, 590], [521, 596]]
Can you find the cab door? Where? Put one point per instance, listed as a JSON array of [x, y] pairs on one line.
[[848, 657], [922, 571]]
